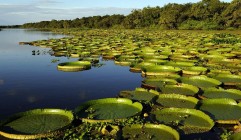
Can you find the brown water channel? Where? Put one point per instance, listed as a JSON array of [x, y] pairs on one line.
[[29, 79]]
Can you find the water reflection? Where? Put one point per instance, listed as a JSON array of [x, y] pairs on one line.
[[31, 99], [12, 92], [83, 95], [42, 52], [1, 82], [33, 81]]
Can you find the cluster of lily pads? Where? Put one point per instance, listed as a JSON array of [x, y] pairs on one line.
[[191, 81]]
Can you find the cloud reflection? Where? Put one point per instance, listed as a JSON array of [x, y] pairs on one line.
[[12, 92], [1, 82], [31, 99], [83, 95]]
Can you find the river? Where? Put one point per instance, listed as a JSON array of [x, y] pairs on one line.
[[29, 79]]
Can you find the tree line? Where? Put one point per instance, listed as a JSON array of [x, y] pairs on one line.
[[10, 26], [206, 14]]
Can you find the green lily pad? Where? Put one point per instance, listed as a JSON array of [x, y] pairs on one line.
[[194, 70], [74, 66], [155, 61], [160, 70], [170, 76], [36, 123], [222, 93], [184, 89], [150, 131], [201, 81], [179, 64], [213, 57], [157, 82], [177, 100], [188, 120], [221, 109], [140, 94], [108, 109], [235, 136], [137, 67], [229, 79]]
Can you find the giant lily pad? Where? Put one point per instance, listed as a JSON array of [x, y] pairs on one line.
[[157, 82], [74, 66], [229, 79], [177, 100], [108, 109], [140, 94], [137, 67], [201, 81], [235, 136], [35, 124], [222, 93], [150, 131], [188, 120], [194, 70], [179, 88], [221, 109], [160, 70], [180, 64]]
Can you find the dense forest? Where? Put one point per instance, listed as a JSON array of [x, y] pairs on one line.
[[206, 15]]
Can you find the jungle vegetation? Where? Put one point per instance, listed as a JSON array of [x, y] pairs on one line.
[[203, 15]]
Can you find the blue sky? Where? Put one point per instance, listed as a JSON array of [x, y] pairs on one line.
[[20, 12]]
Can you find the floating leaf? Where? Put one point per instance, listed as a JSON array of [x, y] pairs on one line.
[[157, 82], [108, 109], [179, 64], [229, 79], [177, 100], [194, 70], [221, 109], [137, 67], [222, 93], [74, 66], [188, 120], [160, 70], [140, 94], [36, 123], [150, 131], [235, 136], [179, 88], [201, 81]]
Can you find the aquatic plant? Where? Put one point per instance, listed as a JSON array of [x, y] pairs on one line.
[[36, 123]]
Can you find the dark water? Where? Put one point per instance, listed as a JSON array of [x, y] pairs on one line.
[[31, 81]]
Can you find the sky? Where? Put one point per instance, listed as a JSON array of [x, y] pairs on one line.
[[17, 12]]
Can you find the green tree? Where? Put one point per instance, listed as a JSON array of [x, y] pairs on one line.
[[170, 14], [232, 14]]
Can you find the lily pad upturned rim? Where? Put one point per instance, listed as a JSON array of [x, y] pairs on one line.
[[228, 92], [162, 127], [209, 103], [160, 68], [225, 101], [188, 112], [225, 78], [177, 97], [194, 70], [147, 82], [193, 89], [50, 111], [202, 78], [152, 94], [87, 104], [74, 66]]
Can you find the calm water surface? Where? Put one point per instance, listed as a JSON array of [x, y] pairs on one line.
[[31, 81]]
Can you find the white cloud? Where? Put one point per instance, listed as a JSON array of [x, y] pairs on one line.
[[20, 14]]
